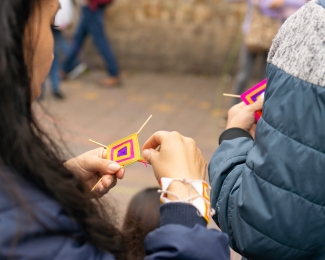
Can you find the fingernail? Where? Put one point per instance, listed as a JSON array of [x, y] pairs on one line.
[[145, 154], [114, 167]]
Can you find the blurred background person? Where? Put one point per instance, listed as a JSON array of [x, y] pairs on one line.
[[63, 20], [141, 218], [263, 19], [92, 22]]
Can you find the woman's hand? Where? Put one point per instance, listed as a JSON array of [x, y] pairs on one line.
[[178, 157], [91, 166], [243, 116]]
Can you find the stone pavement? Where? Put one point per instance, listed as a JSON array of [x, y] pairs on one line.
[[182, 103]]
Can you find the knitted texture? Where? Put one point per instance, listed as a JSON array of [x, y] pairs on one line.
[[299, 47]]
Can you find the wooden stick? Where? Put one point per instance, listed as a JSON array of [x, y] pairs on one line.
[[100, 181], [144, 124], [231, 95], [97, 184], [97, 143]]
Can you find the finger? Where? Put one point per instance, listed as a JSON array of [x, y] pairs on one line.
[[150, 155], [103, 153], [120, 173], [107, 183], [257, 106], [236, 109], [241, 105], [155, 140], [102, 166], [238, 106], [97, 192], [110, 184]]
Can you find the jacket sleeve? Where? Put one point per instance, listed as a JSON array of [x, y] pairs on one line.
[[183, 235], [225, 170], [34, 226], [24, 238], [257, 216], [259, 190]]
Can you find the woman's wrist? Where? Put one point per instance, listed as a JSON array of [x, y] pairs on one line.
[[194, 192], [183, 190]]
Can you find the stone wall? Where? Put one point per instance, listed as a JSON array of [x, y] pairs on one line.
[[182, 36]]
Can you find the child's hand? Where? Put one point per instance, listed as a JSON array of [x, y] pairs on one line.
[[91, 166], [178, 157], [243, 116]]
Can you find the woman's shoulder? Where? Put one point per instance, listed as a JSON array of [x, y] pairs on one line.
[[16, 191], [20, 197], [35, 226]]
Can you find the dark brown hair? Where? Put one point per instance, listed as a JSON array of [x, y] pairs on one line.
[[29, 151], [141, 218]]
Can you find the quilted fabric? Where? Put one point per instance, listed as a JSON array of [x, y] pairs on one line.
[[269, 193]]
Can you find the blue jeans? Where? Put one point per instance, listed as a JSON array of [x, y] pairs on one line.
[[61, 47], [91, 22]]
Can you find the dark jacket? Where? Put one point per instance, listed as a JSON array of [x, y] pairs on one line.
[[269, 193], [182, 235]]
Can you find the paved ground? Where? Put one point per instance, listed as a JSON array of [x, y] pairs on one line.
[[191, 105]]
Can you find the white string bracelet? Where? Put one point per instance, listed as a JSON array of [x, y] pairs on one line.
[[200, 200]]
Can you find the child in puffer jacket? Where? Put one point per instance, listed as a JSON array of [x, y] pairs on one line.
[[267, 189]]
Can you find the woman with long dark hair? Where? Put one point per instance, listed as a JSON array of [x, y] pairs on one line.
[[46, 209]]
